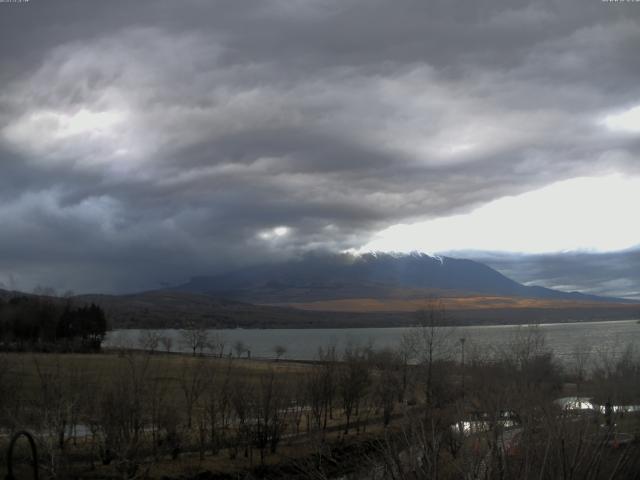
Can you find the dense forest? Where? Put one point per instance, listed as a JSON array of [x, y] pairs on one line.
[[40, 324]]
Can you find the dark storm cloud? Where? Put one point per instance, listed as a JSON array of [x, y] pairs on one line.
[[143, 142]]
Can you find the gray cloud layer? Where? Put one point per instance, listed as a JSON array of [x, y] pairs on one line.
[[143, 142], [608, 274]]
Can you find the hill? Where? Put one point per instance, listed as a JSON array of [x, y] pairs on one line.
[[171, 309], [174, 309], [323, 277], [324, 290]]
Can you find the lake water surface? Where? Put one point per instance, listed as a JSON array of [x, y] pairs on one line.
[[303, 344]]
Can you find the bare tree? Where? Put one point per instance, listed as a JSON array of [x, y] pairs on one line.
[[11, 389], [194, 338], [149, 340], [279, 350], [193, 382], [429, 342], [216, 345], [581, 356], [60, 392], [354, 380], [527, 343], [270, 411], [218, 405], [121, 414], [167, 343], [326, 383], [157, 403], [298, 405], [316, 395], [242, 401], [387, 382], [617, 374], [240, 348]]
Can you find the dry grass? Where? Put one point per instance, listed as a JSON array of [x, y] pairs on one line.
[[101, 368], [366, 305], [27, 368]]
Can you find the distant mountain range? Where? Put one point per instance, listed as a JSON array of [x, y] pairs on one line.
[[321, 277], [340, 290]]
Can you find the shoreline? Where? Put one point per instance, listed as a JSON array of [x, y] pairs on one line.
[[366, 327]]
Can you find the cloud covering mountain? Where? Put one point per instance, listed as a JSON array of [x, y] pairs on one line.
[[145, 142]]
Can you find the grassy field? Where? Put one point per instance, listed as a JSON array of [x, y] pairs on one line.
[[40, 389], [459, 303], [141, 415], [28, 370]]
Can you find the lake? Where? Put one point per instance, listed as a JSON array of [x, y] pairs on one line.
[[303, 344]]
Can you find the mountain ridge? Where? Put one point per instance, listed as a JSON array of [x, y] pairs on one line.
[[318, 277], [339, 290]]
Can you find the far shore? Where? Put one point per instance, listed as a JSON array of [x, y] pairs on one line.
[[453, 323]]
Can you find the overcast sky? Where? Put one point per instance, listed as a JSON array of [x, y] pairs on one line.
[[143, 142]]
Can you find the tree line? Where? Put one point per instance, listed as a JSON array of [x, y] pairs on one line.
[[42, 324]]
